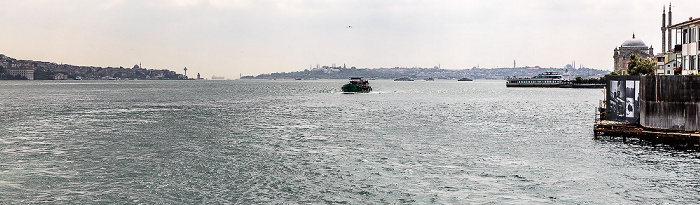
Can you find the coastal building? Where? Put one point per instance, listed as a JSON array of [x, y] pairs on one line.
[[22, 71], [660, 64], [666, 63], [689, 46], [672, 66], [60, 76], [634, 46]]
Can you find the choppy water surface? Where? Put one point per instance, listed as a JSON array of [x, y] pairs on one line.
[[248, 142]]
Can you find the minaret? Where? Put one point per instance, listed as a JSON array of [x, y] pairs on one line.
[[513, 63], [670, 34], [663, 31]]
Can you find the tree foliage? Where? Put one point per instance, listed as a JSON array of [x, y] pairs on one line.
[[580, 80], [640, 66]]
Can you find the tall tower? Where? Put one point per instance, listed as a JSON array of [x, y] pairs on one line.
[[513, 63], [663, 31], [185, 72], [670, 15]]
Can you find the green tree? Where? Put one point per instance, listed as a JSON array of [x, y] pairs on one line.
[[640, 66]]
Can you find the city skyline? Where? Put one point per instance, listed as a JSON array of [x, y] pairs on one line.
[[228, 38]]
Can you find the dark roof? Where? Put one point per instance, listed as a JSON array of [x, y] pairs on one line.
[[634, 43], [685, 23]]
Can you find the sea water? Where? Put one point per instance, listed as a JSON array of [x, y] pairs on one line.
[[305, 142]]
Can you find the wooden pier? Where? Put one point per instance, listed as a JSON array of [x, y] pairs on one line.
[[670, 137]]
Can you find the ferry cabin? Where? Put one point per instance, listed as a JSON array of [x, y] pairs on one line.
[[529, 82], [547, 79]]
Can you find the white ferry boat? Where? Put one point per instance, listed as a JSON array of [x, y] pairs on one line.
[[546, 79]]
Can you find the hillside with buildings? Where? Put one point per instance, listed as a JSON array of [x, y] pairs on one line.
[[14, 69], [330, 72]]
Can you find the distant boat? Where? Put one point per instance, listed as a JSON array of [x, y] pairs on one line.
[[464, 79], [297, 78], [403, 79], [78, 78], [357, 85], [429, 79]]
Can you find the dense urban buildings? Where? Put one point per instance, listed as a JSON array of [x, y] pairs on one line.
[[12, 68]]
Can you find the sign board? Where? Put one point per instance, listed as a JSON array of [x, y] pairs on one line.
[[622, 99]]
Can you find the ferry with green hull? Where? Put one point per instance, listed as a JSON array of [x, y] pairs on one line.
[[357, 85]]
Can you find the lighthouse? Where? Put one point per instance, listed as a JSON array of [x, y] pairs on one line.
[[185, 72]]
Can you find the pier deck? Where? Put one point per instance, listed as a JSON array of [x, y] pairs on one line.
[[672, 137]]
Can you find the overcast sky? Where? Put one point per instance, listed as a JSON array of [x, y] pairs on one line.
[[251, 37]]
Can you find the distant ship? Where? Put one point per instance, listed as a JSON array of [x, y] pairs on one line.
[[357, 85], [546, 79], [464, 79], [213, 77], [429, 79], [403, 79]]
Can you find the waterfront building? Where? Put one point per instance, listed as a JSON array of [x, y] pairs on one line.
[[634, 46], [22, 71], [666, 62], [660, 63], [60, 76], [689, 46], [671, 66]]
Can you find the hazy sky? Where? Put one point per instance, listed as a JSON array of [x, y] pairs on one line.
[[228, 37]]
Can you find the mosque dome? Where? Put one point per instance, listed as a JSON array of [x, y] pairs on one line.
[[634, 42]]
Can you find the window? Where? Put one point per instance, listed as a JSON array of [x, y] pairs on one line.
[[685, 36], [693, 35]]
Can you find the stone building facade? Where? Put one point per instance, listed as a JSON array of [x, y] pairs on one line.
[[24, 72], [632, 46]]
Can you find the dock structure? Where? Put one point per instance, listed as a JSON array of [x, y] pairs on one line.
[[659, 109], [632, 130]]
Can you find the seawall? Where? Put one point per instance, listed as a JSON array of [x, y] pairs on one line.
[[670, 102]]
